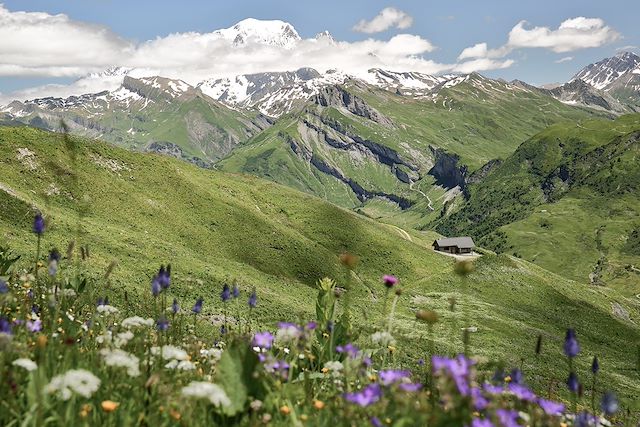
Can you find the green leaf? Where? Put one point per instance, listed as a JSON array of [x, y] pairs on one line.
[[235, 376]]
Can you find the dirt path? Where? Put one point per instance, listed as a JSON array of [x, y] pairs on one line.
[[404, 234], [423, 193]]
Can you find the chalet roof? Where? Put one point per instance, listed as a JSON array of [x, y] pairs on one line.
[[460, 242]]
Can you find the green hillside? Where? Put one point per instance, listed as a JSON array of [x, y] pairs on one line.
[[385, 153], [142, 210], [566, 200]]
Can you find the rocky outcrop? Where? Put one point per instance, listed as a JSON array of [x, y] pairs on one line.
[[446, 169], [170, 149], [337, 96], [484, 171]]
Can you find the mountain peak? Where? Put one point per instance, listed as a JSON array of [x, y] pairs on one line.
[[274, 33], [603, 73]]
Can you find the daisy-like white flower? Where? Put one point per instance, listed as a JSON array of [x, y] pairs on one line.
[[170, 352], [213, 354], [121, 359], [105, 338], [383, 339], [205, 390], [334, 367], [183, 365], [123, 338], [137, 322], [107, 309], [27, 364], [77, 381]]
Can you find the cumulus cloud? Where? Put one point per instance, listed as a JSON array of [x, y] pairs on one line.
[[41, 44], [572, 34], [389, 17]]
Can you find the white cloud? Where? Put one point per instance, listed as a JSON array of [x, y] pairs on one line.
[[389, 17], [40, 44], [572, 34], [35, 43], [565, 59]]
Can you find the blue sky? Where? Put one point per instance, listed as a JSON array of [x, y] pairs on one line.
[[449, 26]]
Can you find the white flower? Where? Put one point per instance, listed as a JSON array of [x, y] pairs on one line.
[[27, 364], [383, 339], [288, 333], [122, 359], [68, 293], [334, 367], [105, 338], [123, 338], [170, 352], [76, 381], [136, 321], [213, 354], [107, 309], [183, 365], [204, 390]]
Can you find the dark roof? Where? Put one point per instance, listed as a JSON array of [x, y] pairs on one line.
[[461, 242]]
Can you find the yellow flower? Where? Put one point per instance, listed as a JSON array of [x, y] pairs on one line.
[[304, 417], [175, 414], [284, 410], [325, 370], [109, 405], [392, 349], [318, 404], [42, 341], [507, 379], [84, 411]]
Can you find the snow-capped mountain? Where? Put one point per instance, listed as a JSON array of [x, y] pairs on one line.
[[274, 33], [604, 73]]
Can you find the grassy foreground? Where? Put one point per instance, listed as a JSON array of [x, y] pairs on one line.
[[143, 210]]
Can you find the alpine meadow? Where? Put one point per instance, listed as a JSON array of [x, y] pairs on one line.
[[399, 216]]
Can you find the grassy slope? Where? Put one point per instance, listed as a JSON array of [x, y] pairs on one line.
[[478, 120], [214, 226], [578, 228]]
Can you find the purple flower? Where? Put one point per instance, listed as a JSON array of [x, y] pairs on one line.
[[420, 362], [522, 392], [279, 367], [516, 376], [550, 407], [225, 295], [264, 340], [311, 326], [156, 287], [571, 346], [392, 376], [162, 324], [348, 349], [585, 419], [508, 418], [236, 291], [595, 365], [175, 307], [3, 287], [493, 389], [457, 369], [479, 401], [365, 397], [609, 403], [375, 422], [164, 276], [34, 325], [410, 387], [389, 281], [572, 382], [100, 302], [197, 307], [38, 224], [5, 326], [477, 422], [54, 255], [253, 299]]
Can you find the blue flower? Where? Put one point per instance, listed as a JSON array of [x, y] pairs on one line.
[[162, 324], [609, 403], [197, 307], [253, 299], [367, 396], [550, 407], [516, 376], [164, 276], [571, 346], [595, 365], [572, 382], [508, 418], [225, 295], [3, 287], [155, 286], [375, 422], [236, 291], [263, 340], [175, 307], [585, 419], [5, 326], [38, 224]]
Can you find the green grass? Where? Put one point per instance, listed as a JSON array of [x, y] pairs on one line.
[[215, 226]]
